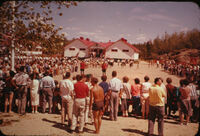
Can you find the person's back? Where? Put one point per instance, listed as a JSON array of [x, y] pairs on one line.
[[146, 86], [156, 96], [98, 93]]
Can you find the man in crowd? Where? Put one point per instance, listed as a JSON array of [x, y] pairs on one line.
[[47, 85], [66, 91], [97, 98], [115, 85], [156, 107], [81, 91], [21, 81]]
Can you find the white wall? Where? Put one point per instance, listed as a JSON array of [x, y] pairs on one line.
[[77, 45], [120, 46]]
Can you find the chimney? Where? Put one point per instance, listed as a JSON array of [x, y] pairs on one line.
[[87, 39], [81, 38]]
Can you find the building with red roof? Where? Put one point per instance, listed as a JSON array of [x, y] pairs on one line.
[[84, 48]]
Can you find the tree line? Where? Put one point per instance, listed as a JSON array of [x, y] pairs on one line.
[[169, 43]]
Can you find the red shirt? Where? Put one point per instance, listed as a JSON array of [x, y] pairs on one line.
[[104, 66], [81, 90], [82, 65], [136, 89]]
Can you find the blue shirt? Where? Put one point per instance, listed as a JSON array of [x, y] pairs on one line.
[[104, 85]]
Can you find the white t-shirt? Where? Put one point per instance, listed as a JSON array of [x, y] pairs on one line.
[[66, 88], [146, 86]]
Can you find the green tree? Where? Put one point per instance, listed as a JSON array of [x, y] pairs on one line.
[[32, 27]]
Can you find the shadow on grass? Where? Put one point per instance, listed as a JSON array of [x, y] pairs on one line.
[[65, 127]]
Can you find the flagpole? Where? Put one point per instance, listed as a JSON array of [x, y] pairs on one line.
[[13, 35]]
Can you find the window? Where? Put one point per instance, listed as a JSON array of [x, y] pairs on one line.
[[114, 50], [82, 49], [71, 49], [124, 50]]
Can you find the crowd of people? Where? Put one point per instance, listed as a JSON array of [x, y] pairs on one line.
[[83, 97]]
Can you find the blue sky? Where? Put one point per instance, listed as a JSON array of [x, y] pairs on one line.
[[137, 22]]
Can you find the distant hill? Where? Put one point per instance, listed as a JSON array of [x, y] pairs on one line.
[[183, 55]]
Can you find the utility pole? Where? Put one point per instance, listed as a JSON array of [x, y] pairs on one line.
[[13, 37]]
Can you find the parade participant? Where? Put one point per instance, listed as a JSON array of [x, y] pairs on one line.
[[21, 81], [104, 67], [81, 91], [97, 103], [47, 86], [144, 99], [156, 107], [115, 85], [66, 92], [82, 67]]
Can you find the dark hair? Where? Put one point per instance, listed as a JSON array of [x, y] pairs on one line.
[[79, 77], [156, 80], [125, 79], [104, 78], [74, 77], [67, 75], [56, 82], [12, 73], [168, 80], [137, 80], [146, 78], [114, 74], [185, 82], [94, 80], [181, 82], [22, 68]]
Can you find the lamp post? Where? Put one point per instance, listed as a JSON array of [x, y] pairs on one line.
[[12, 42]]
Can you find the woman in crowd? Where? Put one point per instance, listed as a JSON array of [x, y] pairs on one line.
[[171, 97], [125, 94], [34, 90], [136, 90], [145, 97]]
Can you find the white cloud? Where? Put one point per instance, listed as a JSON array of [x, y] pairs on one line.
[[184, 29], [152, 17], [98, 31], [173, 25], [137, 10], [141, 38], [72, 28], [71, 19], [87, 33], [160, 17], [118, 13]]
